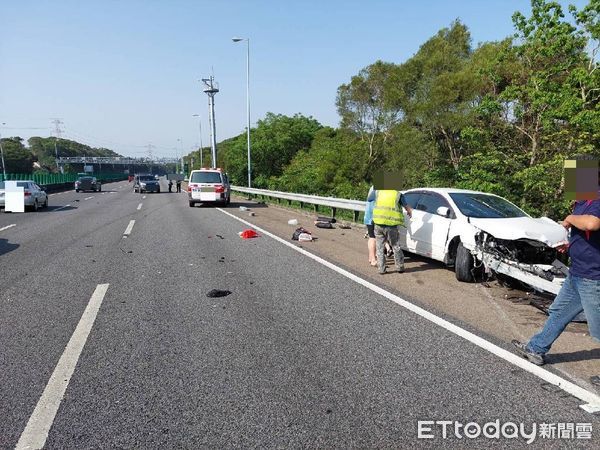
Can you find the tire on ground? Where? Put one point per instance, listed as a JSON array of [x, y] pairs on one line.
[[464, 264]]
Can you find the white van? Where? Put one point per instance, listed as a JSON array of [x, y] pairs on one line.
[[208, 186]]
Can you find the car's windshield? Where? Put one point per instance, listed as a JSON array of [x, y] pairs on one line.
[[485, 206], [146, 178], [85, 178], [206, 177]]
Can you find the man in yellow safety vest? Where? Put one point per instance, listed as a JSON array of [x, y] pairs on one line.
[[387, 217]]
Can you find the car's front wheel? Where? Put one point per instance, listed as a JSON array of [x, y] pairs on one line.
[[464, 264]]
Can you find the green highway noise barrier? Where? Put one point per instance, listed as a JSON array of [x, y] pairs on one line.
[[45, 179]]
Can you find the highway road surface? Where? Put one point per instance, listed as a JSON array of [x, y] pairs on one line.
[[108, 339]]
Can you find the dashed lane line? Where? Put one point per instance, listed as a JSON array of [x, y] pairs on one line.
[[591, 399], [62, 207], [8, 226], [129, 228], [139, 207], [89, 198], [40, 422]]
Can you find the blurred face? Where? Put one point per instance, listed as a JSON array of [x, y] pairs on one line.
[[386, 180], [581, 179]]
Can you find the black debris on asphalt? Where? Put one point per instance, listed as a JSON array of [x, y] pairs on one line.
[[219, 236], [218, 293]]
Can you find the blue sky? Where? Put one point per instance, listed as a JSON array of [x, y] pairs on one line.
[[124, 74]]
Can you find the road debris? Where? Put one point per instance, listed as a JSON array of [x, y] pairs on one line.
[[293, 222], [298, 232], [248, 234], [218, 293], [243, 208], [251, 214], [219, 236]]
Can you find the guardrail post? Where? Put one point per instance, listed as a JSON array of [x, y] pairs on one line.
[[316, 207], [333, 211], [356, 214], [301, 205]]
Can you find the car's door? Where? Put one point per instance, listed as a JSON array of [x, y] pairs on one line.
[[406, 239], [430, 227], [40, 195]]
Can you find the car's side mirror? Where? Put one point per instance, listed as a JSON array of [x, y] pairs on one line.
[[443, 211]]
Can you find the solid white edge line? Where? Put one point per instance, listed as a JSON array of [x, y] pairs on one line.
[[129, 228], [8, 226], [139, 207], [591, 399], [40, 422]]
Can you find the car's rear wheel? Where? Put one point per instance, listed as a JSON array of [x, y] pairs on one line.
[[192, 204], [46, 203], [464, 264], [35, 206]]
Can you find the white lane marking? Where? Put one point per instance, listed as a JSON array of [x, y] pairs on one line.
[[143, 196], [139, 207], [591, 399], [89, 198], [38, 426], [8, 226], [129, 228], [62, 207]]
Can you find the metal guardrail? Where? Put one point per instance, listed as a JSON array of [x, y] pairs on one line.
[[357, 206]]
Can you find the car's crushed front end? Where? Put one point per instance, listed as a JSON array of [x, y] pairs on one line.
[[522, 248]]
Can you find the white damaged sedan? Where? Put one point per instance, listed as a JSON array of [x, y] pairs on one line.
[[473, 231]]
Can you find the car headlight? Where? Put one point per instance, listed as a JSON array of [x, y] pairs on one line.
[[143, 184]]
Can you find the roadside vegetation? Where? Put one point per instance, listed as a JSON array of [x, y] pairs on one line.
[[500, 117], [39, 155]]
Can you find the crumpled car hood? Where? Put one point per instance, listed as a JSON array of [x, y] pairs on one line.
[[542, 229]]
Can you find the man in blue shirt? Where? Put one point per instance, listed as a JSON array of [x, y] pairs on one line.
[[581, 289]]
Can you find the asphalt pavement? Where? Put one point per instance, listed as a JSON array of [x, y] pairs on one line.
[[297, 355]]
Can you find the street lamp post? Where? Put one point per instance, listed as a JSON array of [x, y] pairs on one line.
[[2, 155], [200, 130], [236, 39]]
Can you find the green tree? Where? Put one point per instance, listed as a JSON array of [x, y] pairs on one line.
[[17, 158]]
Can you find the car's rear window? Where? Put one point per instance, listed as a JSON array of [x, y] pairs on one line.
[[23, 184], [206, 177]]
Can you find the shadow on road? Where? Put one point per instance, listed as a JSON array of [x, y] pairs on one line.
[[583, 355], [6, 247], [60, 208]]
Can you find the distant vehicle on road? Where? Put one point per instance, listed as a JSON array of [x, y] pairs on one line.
[[146, 183], [35, 196], [208, 186], [87, 184], [475, 231]]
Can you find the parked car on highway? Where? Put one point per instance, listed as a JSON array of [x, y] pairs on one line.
[[87, 184], [35, 196], [208, 186], [146, 183], [473, 230]]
